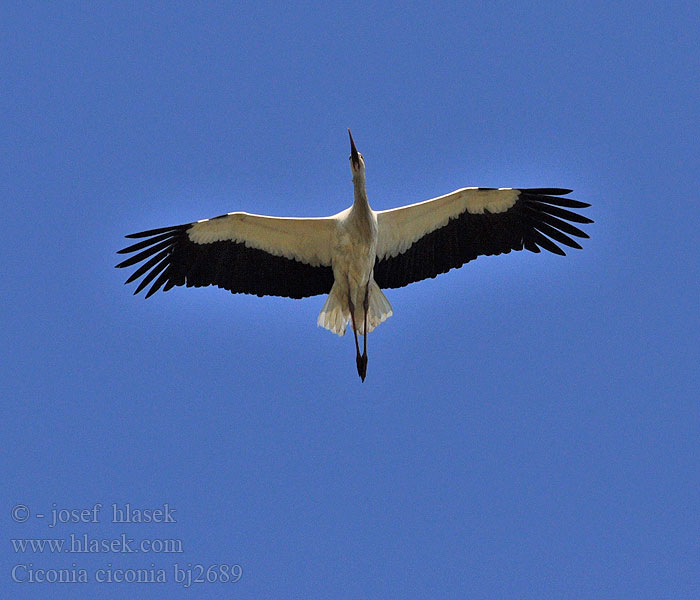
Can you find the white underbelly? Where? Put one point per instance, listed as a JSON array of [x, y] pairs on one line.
[[354, 254], [353, 262]]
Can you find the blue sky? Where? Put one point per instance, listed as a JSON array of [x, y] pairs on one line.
[[529, 424]]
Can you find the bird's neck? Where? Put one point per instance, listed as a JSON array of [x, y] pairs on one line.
[[361, 201]]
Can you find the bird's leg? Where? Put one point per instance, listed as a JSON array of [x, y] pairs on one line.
[[358, 358], [365, 306]]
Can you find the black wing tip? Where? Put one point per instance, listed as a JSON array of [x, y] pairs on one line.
[[154, 250], [550, 192], [545, 210], [547, 191], [159, 230], [556, 200], [571, 203]]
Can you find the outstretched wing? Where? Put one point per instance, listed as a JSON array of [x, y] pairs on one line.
[[425, 239], [240, 252]]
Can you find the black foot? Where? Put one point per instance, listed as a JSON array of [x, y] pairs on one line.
[[362, 366]]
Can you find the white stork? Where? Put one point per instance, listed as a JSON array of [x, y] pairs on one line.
[[353, 254]]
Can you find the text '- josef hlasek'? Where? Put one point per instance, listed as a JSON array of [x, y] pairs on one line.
[[116, 513]]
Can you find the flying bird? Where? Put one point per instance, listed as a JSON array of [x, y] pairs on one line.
[[353, 255]]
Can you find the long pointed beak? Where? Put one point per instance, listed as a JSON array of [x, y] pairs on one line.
[[353, 151]]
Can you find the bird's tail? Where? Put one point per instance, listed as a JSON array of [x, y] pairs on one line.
[[335, 314], [379, 309]]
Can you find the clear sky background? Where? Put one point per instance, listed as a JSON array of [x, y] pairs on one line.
[[529, 425]]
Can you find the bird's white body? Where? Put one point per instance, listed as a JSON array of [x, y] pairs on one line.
[[353, 254], [350, 255]]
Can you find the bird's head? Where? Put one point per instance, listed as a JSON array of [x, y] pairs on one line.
[[357, 162]]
